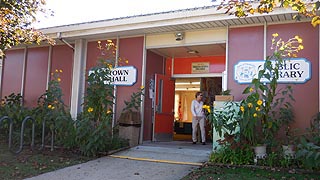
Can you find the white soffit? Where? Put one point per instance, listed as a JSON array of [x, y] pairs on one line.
[[190, 38], [181, 20]]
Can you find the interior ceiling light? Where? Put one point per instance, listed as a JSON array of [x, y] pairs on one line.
[[187, 89], [193, 52], [188, 83]]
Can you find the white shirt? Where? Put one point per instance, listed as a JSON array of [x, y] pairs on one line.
[[196, 108]]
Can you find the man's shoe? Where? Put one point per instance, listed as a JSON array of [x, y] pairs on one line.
[[204, 143], [194, 142]]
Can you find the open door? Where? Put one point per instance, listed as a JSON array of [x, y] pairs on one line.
[[164, 108]]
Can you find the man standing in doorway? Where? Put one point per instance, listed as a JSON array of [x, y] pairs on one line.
[[198, 117]]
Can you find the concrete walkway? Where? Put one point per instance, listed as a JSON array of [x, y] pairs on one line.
[[150, 161]]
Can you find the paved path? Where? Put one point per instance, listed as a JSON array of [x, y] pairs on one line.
[[150, 161]]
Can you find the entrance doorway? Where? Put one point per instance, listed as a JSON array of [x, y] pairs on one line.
[[170, 115], [185, 90]]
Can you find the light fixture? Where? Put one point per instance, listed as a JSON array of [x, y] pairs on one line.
[[188, 83], [187, 89], [192, 52], [179, 36]]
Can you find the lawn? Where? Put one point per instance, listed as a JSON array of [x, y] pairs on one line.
[[211, 171], [30, 163]]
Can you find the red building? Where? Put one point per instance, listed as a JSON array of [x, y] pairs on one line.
[[199, 47]]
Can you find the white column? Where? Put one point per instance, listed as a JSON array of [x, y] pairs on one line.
[[23, 79], [225, 72], [143, 80], [78, 77], [49, 66]]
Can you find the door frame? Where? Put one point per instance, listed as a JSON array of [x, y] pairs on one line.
[[174, 77]]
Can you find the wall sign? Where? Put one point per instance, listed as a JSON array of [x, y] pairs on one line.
[[200, 67], [295, 70], [123, 76]]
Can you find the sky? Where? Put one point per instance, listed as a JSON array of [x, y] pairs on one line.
[[77, 11]]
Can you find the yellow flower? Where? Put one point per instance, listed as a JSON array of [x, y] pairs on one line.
[[59, 79], [90, 109], [298, 39], [251, 89], [258, 109], [207, 108], [241, 108], [141, 87], [57, 70], [108, 112], [259, 102], [49, 106], [300, 47], [126, 61], [109, 41], [275, 34], [52, 107], [61, 70], [250, 105], [251, 11], [255, 115]]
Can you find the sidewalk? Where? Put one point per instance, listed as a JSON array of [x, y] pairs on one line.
[[150, 161]]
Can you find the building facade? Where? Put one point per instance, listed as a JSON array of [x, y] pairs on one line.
[[202, 45]]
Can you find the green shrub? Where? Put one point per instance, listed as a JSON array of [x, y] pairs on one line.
[[233, 152], [53, 111]]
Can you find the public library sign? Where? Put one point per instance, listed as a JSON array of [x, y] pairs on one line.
[[295, 70]]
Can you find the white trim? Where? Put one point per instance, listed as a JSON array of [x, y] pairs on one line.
[[225, 72], [143, 81], [49, 66], [190, 44], [265, 40], [140, 24], [78, 77], [25, 54], [114, 106], [172, 66], [196, 75]]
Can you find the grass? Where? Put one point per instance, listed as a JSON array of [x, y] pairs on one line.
[[31, 163], [211, 172]]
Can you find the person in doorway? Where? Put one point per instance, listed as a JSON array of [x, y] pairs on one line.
[[198, 117]]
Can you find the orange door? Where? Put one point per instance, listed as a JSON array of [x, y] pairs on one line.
[[164, 108]]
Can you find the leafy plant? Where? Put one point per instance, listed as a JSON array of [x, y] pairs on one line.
[[232, 152], [308, 150], [259, 111], [135, 101], [226, 92], [16, 18], [12, 107], [224, 120], [53, 111], [94, 131]]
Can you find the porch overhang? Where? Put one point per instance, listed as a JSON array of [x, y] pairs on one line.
[[172, 21]]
